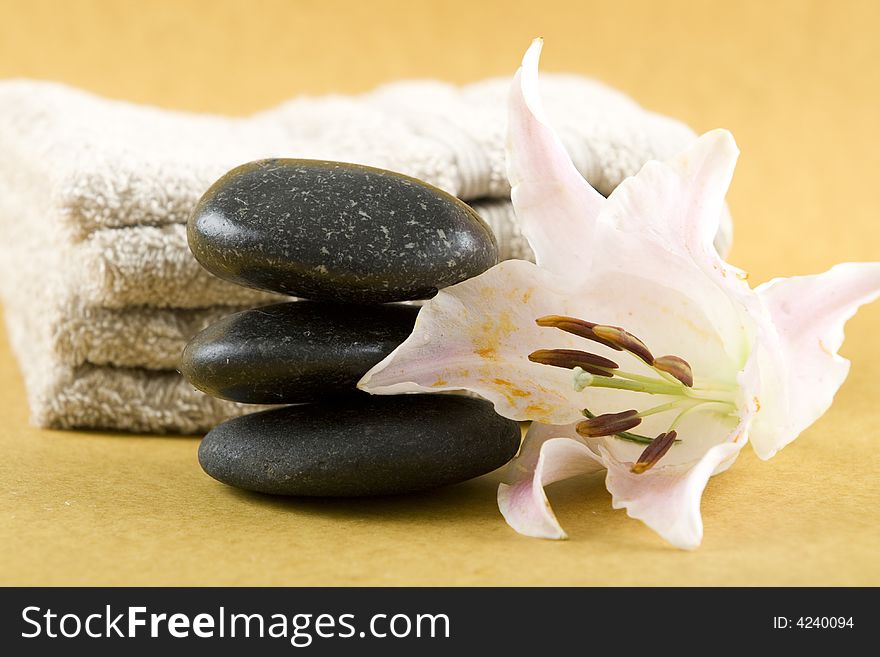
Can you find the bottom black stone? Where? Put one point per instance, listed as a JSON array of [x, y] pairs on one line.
[[361, 445]]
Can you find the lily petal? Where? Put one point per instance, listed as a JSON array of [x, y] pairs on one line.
[[679, 202], [667, 499], [555, 206], [549, 454], [809, 313], [665, 218], [724, 238], [477, 335]]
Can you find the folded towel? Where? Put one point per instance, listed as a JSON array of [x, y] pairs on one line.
[[152, 265], [99, 163], [99, 288]]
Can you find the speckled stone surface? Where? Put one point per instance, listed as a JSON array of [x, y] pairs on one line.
[[368, 445], [293, 352], [336, 231]]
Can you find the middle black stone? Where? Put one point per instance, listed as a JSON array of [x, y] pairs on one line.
[[293, 352]]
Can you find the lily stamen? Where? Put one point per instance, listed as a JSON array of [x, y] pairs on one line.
[[609, 424], [676, 367], [624, 435], [674, 377], [572, 358], [654, 452], [625, 341], [578, 327]]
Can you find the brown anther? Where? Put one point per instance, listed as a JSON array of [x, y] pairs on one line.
[[571, 358], [578, 327], [624, 340], [654, 452], [608, 424], [677, 367]]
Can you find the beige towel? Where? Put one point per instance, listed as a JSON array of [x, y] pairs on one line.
[[100, 290]]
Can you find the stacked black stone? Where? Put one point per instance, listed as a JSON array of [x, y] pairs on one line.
[[349, 242]]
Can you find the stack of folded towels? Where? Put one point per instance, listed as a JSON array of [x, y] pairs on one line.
[[100, 290]]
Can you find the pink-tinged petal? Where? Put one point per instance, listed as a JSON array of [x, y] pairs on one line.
[[549, 454], [667, 497], [555, 206], [477, 335], [803, 371], [680, 203], [665, 218], [663, 221]]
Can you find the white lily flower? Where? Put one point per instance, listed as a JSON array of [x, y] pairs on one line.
[[556, 341]]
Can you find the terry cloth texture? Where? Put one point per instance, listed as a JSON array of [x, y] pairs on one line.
[[99, 288]]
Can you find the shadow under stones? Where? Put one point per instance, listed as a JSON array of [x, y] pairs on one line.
[[475, 498]]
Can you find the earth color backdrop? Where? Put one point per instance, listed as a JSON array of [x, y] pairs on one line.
[[796, 82]]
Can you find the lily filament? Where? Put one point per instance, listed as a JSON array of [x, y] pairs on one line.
[[672, 377]]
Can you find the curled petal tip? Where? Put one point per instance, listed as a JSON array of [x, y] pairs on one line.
[[528, 80], [723, 137], [364, 382], [533, 54], [545, 458], [718, 146]]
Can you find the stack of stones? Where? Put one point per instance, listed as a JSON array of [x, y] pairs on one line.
[[350, 243]]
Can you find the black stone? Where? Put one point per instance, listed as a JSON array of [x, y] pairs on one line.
[[293, 352], [363, 446], [335, 231]]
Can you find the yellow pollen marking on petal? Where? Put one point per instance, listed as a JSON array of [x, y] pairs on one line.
[[527, 295], [514, 390], [757, 404], [743, 275], [537, 410], [510, 390], [438, 383], [488, 336]]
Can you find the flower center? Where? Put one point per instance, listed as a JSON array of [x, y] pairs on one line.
[[672, 376]]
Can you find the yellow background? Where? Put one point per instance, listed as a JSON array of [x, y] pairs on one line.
[[797, 82]]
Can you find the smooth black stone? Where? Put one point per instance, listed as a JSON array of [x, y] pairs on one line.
[[366, 445], [293, 352], [335, 231]]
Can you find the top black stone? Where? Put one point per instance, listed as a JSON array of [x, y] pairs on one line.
[[337, 231]]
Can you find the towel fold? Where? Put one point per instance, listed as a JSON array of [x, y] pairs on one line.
[[101, 163], [100, 290], [152, 265]]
